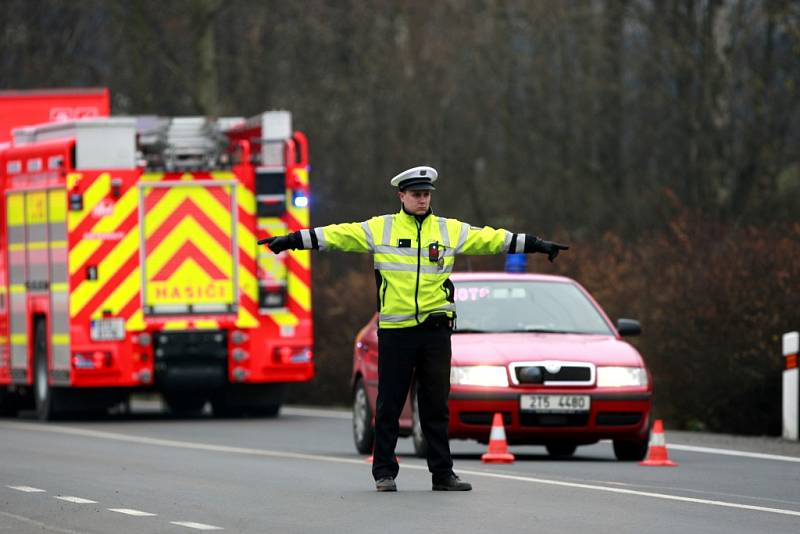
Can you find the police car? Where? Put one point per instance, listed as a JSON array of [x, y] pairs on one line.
[[537, 349]]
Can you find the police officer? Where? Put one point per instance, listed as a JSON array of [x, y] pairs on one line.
[[414, 252]]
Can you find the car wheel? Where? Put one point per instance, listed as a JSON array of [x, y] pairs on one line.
[[363, 431], [420, 443], [631, 451], [560, 449]]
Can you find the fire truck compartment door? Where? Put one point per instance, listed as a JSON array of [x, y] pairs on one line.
[[188, 235]]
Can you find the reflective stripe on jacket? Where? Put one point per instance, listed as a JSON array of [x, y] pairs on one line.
[[412, 281]]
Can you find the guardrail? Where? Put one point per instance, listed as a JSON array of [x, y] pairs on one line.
[[791, 381]]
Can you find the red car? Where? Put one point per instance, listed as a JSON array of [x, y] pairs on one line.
[[539, 350]]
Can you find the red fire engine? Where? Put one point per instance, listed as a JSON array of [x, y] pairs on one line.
[[128, 262]]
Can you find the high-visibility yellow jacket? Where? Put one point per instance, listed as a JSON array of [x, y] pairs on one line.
[[414, 257]]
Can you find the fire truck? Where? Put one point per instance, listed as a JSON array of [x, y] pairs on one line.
[[129, 263]]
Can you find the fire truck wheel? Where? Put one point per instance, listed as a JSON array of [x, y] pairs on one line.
[[417, 437], [46, 397], [185, 404], [363, 431], [9, 403]]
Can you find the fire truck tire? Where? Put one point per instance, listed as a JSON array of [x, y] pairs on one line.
[[47, 399], [363, 430], [184, 403], [417, 437], [9, 403]]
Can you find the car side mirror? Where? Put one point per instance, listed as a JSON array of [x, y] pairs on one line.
[[629, 327]]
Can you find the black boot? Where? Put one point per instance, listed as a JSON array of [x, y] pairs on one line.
[[451, 483]]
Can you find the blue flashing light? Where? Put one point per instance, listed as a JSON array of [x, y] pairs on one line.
[[516, 263], [299, 200]]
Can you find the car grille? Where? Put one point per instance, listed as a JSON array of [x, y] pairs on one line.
[[482, 418], [553, 420], [618, 418], [553, 373]]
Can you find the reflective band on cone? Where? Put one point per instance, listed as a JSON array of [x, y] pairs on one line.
[[498, 447], [657, 455]]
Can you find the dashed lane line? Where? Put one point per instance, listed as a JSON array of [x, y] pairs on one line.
[[76, 500], [27, 489], [196, 526], [130, 511]]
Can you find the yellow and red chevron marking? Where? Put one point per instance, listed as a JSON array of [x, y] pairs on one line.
[[103, 237], [188, 244]]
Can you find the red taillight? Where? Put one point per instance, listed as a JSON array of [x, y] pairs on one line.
[[292, 354], [91, 360]]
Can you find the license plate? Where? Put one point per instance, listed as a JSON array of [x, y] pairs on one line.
[[555, 403], [108, 329]]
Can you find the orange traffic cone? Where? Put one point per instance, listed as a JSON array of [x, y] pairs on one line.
[[657, 455], [498, 448]]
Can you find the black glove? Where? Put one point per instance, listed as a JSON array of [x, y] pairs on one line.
[[551, 249], [284, 242], [534, 244]]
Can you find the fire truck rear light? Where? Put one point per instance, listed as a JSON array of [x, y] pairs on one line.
[[145, 376], [302, 356], [93, 360], [75, 202], [238, 337], [240, 374], [145, 339], [239, 355], [82, 361], [292, 354]]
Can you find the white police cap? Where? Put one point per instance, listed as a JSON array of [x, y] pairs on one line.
[[416, 178]]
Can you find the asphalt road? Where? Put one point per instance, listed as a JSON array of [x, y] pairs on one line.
[[149, 472]]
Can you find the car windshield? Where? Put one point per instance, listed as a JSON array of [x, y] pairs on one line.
[[525, 306]]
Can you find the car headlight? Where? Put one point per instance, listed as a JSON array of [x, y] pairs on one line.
[[616, 377], [479, 375]]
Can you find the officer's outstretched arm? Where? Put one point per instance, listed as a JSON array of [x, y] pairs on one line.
[[473, 240], [346, 237]]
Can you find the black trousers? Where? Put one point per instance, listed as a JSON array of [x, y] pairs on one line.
[[422, 351]]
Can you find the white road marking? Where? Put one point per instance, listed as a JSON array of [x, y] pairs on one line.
[[27, 489], [334, 459], [198, 526], [730, 452], [39, 524], [128, 511], [315, 412], [607, 489], [76, 500]]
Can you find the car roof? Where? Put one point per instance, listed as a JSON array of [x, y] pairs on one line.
[[500, 275]]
